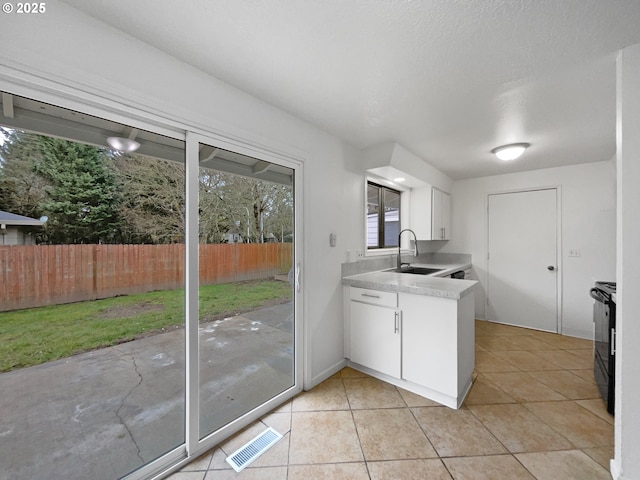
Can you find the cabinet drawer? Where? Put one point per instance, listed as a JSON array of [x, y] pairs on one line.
[[375, 297]]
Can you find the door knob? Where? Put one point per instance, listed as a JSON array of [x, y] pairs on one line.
[[551, 268]]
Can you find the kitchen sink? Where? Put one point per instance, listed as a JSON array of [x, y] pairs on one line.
[[417, 270]]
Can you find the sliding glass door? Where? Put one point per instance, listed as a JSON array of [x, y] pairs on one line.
[[246, 290], [147, 296], [242, 256]]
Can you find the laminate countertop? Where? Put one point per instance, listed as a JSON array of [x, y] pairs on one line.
[[435, 285]]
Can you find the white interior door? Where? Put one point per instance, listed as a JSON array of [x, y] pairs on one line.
[[522, 283]]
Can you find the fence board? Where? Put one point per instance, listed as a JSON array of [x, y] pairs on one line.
[[39, 275]]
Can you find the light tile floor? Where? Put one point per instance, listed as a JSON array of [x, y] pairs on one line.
[[534, 412]]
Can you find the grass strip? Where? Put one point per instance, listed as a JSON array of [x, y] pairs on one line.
[[38, 335]]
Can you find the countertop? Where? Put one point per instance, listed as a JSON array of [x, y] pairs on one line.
[[431, 285]]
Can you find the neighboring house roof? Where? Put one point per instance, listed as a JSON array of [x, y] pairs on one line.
[[7, 218]]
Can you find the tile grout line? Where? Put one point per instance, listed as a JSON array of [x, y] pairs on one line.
[[355, 426], [523, 403]]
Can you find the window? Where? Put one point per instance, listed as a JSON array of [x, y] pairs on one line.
[[383, 216]]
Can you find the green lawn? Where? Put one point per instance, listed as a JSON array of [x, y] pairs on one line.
[[38, 335]]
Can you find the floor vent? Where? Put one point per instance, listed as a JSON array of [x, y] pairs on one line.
[[252, 450]]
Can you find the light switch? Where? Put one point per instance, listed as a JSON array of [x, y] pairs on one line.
[[332, 239]]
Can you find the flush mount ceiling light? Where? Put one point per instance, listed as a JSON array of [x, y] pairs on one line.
[[399, 179], [123, 144], [510, 152]]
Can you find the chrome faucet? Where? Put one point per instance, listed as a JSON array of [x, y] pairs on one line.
[[415, 250]]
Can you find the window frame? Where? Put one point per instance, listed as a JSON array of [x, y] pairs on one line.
[[381, 215]]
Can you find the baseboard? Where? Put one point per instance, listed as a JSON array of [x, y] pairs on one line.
[[465, 392], [576, 332], [614, 469]]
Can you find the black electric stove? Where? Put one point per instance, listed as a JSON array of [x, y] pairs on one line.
[[604, 319]]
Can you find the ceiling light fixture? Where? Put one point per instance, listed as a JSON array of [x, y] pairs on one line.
[[510, 152], [122, 144], [399, 179]]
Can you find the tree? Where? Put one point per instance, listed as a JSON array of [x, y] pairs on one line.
[[22, 189], [153, 206], [279, 212], [257, 206], [96, 195], [83, 196], [215, 218]]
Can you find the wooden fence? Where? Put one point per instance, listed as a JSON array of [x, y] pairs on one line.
[[38, 275]]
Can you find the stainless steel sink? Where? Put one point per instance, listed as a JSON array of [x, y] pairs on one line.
[[416, 270]]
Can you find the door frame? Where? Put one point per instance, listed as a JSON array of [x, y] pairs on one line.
[[559, 257]]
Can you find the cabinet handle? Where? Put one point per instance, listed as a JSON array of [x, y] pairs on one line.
[[397, 322], [369, 295]]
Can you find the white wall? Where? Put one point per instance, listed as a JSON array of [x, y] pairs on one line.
[[626, 464], [93, 67], [588, 194]]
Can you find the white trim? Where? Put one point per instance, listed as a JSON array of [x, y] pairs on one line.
[[614, 469], [192, 283], [87, 100], [133, 109]]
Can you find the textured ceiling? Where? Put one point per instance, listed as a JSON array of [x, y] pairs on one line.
[[447, 79]]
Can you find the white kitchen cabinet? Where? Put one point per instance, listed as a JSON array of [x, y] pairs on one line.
[[430, 213], [440, 215], [375, 331], [420, 212], [422, 343], [438, 342]]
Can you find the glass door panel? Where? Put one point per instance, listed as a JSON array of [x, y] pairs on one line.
[[246, 284], [92, 343]]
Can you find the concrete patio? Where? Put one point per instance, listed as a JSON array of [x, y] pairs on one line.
[[105, 413]]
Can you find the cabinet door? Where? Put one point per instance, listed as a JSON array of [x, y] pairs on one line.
[[436, 215], [420, 212], [440, 215], [446, 216], [429, 346], [376, 337]]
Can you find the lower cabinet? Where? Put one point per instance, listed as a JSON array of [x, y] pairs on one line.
[[375, 330], [376, 341], [425, 344], [430, 353]]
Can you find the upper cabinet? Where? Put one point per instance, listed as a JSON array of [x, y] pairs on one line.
[[440, 215], [430, 213]]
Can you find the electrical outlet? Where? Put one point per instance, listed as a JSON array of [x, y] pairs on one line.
[[360, 254], [574, 252]]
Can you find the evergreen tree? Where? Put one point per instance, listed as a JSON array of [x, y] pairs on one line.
[[82, 200]]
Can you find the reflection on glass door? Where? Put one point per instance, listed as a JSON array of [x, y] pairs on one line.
[[246, 284]]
